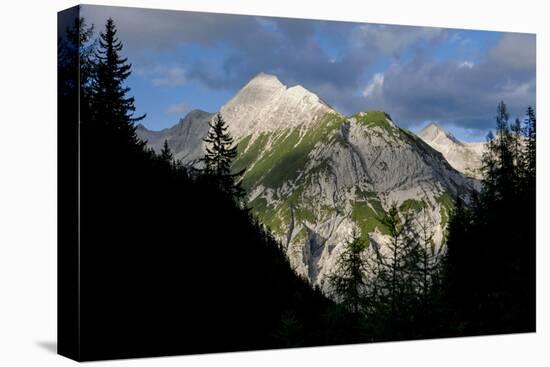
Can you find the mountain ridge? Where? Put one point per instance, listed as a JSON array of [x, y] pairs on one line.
[[184, 138]]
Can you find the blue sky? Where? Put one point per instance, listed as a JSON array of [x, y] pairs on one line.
[[185, 60]]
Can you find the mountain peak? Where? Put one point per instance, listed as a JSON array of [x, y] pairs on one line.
[[434, 125], [464, 157], [265, 104], [140, 126], [431, 127], [433, 131], [264, 79], [194, 114]]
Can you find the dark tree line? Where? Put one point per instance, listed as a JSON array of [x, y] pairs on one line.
[[490, 267]]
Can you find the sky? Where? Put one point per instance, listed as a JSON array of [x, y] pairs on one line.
[[187, 60]]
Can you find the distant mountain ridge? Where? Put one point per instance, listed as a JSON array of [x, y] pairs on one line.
[[184, 138], [314, 175], [464, 157]]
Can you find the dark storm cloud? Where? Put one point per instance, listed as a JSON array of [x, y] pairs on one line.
[[161, 30], [255, 44], [391, 40], [286, 47], [516, 51], [461, 93]]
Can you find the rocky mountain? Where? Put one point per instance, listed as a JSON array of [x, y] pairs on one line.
[[184, 138], [313, 175], [265, 105], [462, 156]]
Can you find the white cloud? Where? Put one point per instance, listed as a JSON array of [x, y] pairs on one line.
[[466, 64], [375, 85]]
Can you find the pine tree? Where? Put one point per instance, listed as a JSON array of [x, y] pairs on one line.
[[427, 266], [489, 166], [348, 278], [397, 266], [166, 153], [219, 157], [505, 172], [112, 107]]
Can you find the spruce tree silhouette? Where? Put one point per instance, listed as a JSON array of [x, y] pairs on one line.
[[219, 157], [394, 271], [348, 279], [166, 153], [427, 262], [400, 260], [112, 106]]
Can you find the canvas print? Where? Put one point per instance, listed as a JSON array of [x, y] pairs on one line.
[[233, 182]]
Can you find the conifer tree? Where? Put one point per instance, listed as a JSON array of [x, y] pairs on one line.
[[401, 256], [517, 147], [504, 151], [112, 107], [398, 265], [427, 265], [348, 279], [166, 152], [489, 166], [219, 157]]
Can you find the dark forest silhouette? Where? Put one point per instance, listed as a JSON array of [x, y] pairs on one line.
[[490, 267], [172, 262]]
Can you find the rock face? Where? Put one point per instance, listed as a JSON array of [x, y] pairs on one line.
[[314, 186], [464, 157], [313, 176], [184, 138]]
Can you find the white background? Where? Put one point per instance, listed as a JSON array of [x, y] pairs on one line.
[[28, 182]]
